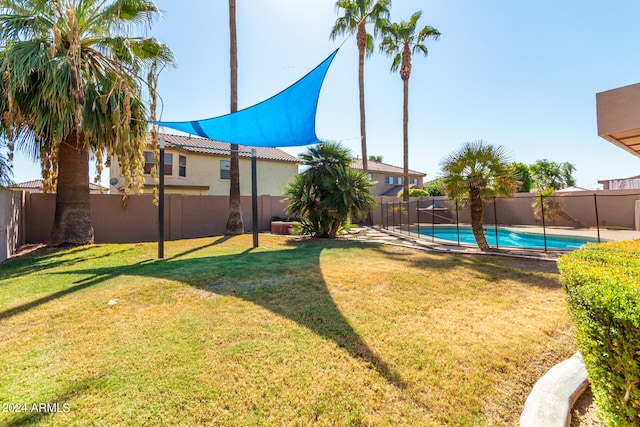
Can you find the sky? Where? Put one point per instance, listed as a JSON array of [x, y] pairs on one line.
[[518, 74]]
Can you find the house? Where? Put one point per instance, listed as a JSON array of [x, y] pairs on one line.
[[618, 114], [36, 186], [201, 166], [631, 183], [388, 178]]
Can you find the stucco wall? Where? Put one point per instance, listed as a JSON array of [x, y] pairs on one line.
[[11, 226], [204, 170], [186, 216]]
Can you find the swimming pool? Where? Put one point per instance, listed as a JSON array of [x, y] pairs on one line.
[[507, 237]]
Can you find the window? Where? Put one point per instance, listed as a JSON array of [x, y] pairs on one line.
[[391, 180], [182, 166], [225, 169], [168, 164], [149, 163], [370, 177], [414, 181]]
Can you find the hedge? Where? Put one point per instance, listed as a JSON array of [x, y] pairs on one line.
[[602, 283]]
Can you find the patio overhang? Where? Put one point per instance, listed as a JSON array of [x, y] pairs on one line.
[[618, 115]]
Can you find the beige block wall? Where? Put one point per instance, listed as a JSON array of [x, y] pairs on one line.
[[204, 170]]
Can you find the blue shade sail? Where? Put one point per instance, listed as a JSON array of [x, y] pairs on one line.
[[285, 120]]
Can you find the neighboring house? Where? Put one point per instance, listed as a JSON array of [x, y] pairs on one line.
[[632, 183], [388, 178], [36, 186], [201, 166], [618, 115]]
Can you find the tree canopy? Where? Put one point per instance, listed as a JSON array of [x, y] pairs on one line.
[[546, 174], [521, 171], [73, 80]]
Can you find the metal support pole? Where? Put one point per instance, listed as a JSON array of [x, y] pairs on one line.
[[255, 227], [457, 223], [595, 203], [544, 227], [161, 203], [495, 220]]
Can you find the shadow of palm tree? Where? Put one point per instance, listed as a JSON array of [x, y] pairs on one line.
[[288, 283]]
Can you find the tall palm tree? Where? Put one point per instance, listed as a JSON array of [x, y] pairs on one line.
[[329, 191], [72, 84], [357, 14], [401, 41], [478, 171], [234, 223]]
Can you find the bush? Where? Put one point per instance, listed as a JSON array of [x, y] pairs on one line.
[[414, 192], [602, 283]]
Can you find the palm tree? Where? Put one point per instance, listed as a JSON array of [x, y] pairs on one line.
[[234, 223], [72, 84], [357, 14], [478, 171], [329, 191], [401, 41]]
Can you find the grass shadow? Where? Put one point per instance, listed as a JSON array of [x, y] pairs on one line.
[[287, 282]]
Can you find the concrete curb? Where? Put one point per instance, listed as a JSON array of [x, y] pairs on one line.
[[553, 396]]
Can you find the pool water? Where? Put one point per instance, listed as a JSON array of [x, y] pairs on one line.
[[508, 237]]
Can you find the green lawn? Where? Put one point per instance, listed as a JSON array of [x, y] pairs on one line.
[[293, 333]]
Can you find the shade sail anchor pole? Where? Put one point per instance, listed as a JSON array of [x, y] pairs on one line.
[[161, 203], [255, 228]]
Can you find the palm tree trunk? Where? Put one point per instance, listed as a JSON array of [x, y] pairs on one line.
[[72, 220], [476, 218], [405, 134], [362, 43], [234, 223], [405, 73]]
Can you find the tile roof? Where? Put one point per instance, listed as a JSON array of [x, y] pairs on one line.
[[382, 167], [194, 144], [36, 184]]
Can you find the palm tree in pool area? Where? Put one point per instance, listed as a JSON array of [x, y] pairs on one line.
[[478, 171], [401, 40], [356, 15], [72, 84], [234, 222]]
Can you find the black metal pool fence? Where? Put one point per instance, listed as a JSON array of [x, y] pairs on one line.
[[569, 210]]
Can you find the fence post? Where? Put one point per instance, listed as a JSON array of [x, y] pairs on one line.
[[433, 219], [418, 216], [393, 211], [495, 220], [457, 223], [544, 228], [409, 218], [595, 203]]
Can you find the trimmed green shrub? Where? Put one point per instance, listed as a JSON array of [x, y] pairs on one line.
[[602, 283]]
